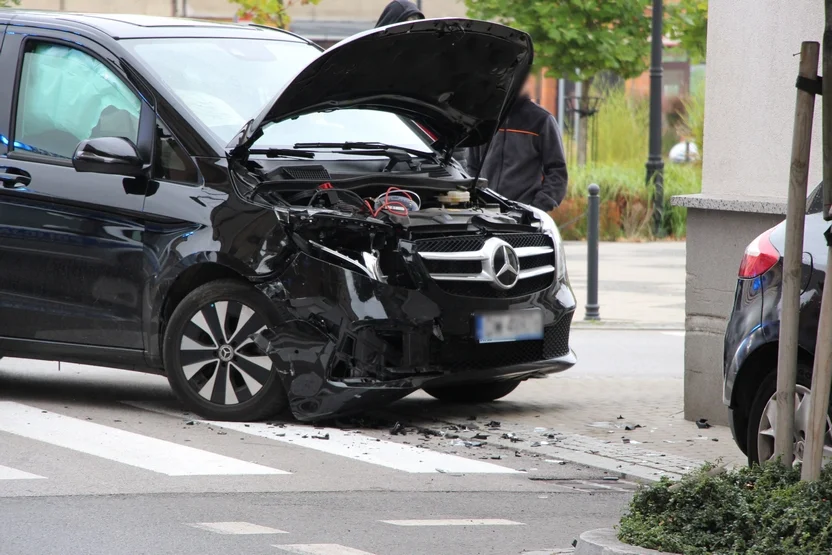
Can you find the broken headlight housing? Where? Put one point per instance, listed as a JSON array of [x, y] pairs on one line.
[[548, 226]]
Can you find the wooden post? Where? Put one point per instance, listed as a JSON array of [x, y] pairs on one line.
[[804, 111], [822, 371]]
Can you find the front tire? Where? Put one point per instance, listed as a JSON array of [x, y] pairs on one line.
[[473, 393], [211, 362]]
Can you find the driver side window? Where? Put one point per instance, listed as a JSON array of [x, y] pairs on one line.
[[67, 96]]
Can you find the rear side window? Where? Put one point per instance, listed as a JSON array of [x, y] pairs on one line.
[[814, 203], [67, 96]]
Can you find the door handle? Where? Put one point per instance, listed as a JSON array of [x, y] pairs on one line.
[[14, 178]]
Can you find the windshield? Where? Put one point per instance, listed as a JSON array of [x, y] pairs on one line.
[[226, 82]]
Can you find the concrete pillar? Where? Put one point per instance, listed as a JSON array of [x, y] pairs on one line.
[[749, 88]]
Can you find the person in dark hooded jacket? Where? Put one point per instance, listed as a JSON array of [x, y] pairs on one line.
[[526, 161], [399, 11]]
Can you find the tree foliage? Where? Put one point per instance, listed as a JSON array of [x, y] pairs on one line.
[[266, 12], [687, 22], [577, 39], [9, 3]]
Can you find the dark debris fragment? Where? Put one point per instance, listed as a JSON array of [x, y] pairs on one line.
[[702, 424]]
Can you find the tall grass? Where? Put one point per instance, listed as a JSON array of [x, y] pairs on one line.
[[623, 124], [694, 120]]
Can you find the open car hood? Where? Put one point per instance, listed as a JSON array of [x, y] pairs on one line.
[[456, 77]]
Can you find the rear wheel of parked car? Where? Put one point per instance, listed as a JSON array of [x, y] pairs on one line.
[[211, 361], [473, 393], [762, 420]]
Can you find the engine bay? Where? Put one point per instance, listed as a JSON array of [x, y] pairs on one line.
[[373, 222], [403, 204]]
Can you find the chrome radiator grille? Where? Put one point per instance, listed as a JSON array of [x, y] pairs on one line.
[[502, 266]]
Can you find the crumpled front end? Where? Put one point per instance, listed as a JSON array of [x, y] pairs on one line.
[[348, 342]]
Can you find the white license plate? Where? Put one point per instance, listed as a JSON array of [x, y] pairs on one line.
[[518, 325]]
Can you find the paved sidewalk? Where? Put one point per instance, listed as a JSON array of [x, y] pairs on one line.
[[641, 285], [583, 410]]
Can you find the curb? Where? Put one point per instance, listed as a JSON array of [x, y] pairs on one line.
[[612, 325], [604, 541]]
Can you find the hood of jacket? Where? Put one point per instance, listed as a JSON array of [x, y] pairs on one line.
[[399, 11]]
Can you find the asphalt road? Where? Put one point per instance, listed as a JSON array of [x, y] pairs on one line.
[[98, 461]]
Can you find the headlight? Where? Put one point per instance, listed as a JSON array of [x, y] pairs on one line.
[[373, 265], [369, 263], [548, 225]]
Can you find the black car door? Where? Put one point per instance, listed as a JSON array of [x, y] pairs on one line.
[[71, 249]]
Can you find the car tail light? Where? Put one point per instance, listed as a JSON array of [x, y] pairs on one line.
[[759, 256]]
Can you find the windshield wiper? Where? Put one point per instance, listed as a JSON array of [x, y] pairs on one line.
[[371, 148], [282, 153]]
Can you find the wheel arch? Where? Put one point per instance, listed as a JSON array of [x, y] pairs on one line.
[[758, 365], [175, 289]]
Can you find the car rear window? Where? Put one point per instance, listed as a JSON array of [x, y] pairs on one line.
[[814, 202]]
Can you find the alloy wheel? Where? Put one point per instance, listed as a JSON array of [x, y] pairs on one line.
[[218, 357], [766, 429]]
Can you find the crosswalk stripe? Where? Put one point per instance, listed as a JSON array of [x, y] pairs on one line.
[[236, 528], [355, 445], [455, 522], [118, 445], [360, 447], [601, 486], [674, 333], [7, 473], [321, 549]]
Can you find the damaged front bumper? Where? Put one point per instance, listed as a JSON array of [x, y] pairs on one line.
[[347, 342]]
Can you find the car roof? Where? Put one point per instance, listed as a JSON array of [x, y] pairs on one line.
[[126, 26]]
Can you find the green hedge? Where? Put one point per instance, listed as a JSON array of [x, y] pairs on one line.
[[751, 511], [626, 201]]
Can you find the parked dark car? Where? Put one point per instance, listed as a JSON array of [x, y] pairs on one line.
[[268, 224], [753, 332]]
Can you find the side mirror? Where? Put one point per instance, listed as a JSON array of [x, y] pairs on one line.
[[110, 155]]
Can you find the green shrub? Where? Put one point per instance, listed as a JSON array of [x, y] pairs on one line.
[[626, 201], [765, 510]]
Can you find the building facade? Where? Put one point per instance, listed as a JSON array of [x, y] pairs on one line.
[[749, 117]]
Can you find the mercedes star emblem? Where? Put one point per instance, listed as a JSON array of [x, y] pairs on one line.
[[505, 267]]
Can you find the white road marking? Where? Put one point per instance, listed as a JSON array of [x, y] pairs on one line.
[[455, 522], [601, 486], [7, 473], [236, 528], [674, 333], [120, 446], [360, 447], [355, 445], [321, 549]]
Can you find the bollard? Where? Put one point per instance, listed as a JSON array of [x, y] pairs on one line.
[[593, 231]]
